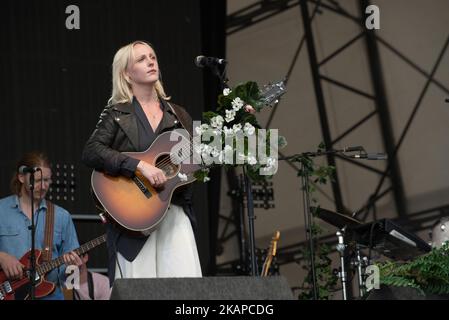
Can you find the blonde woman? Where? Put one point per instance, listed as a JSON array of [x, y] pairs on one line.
[[137, 112]]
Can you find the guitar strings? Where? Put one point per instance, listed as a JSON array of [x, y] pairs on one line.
[[43, 268], [165, 164]]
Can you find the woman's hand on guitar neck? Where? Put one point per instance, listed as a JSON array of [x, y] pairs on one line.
[[12, 267], [154, 175]]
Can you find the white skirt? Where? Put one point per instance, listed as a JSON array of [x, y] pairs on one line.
[[169, 252]]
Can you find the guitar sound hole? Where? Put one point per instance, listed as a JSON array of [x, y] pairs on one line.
[[164, 163]]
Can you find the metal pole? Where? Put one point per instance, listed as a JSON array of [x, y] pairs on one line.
[[252, 240], [360, 273], [308, 219], [341, 249]]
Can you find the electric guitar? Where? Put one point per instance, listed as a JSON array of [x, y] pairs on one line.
[[19, 288], [133, 203], [271, 254]]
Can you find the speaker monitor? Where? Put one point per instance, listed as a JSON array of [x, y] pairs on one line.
[[207, 288], [403, 293]]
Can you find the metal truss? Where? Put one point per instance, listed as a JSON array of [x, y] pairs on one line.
[[266, 9], [256, 13], [262, 10]]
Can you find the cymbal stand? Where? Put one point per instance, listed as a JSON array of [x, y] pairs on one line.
[[360, 263], [341, 248]]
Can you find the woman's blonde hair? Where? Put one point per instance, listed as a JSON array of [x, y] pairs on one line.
[[121, 88]]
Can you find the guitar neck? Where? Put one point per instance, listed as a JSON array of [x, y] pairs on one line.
[[266, 267], [48, 266]]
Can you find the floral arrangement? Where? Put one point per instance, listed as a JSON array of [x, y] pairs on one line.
[[227, 135]]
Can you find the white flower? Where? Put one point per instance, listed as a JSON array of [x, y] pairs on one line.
[[220, 157], [237, 104], [270, 162], [182, 176], [227, 148], [206, 179], [198, 149], [228, 131], [205, 148], [249, 129], [203, 128], [230, 115], [265, 169], [215, 152], [227, 155], [270, 165], [237, 127], [252, 160], [226, 91], [216, 122], [241, 157]]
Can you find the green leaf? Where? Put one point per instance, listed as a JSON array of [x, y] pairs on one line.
[[209, 115]]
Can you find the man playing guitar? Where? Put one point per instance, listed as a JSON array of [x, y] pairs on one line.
[[15, 236]]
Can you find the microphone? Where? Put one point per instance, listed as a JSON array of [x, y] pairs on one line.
[[351, 149], [202, 61], [26, 169], [371, 156]]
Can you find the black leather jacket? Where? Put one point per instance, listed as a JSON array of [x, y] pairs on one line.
[[116, 132]]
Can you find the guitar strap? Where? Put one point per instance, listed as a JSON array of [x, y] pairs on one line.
[[90, 285], [48, 233]]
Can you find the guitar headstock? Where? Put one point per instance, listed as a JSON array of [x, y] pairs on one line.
[[270, 93], [273, 243], [271, 253]]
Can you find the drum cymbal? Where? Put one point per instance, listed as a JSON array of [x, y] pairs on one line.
[[337, 219]]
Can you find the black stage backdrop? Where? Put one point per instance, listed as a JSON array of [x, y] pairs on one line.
[[55, 82]]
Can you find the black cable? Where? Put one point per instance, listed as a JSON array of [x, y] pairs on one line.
[[116, 256], [371, 236]]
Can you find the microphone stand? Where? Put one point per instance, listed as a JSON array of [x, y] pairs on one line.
[[308, 216], [251, 218], [221, 75], [32, 273], [248, 186]]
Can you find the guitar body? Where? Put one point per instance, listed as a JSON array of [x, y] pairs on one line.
[[134, 203], [20, 287]]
